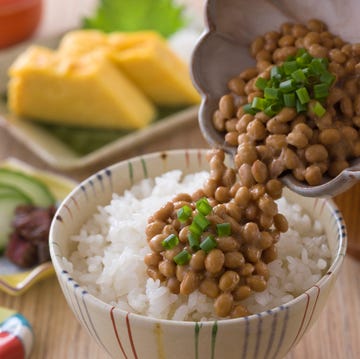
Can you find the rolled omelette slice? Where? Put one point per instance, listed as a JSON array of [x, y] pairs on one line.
[[145, 58], [87, 90]]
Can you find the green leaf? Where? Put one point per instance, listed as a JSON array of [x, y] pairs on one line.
[[162, 16]]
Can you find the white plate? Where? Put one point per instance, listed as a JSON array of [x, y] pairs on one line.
[[57, 153]]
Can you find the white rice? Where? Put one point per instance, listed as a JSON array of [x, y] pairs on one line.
[[109, 263]]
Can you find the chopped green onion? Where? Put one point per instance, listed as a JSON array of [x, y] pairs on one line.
[[287, 85], [223, 229], [271, 93], [261, 83], [289, 100], [208, 244], [195, 229], [298, 80], [273, 109], [300, 52], [327, 78], [170, 241], [182, 258], [201, 221], [258, 103], [275, 72], [303, 95], [248, 109], [304, 59], [321, 91], [184, 213], [318, 109], [290, 67], [203, 206], [194, 241], [300, 107], [317, 66], [299, 75]]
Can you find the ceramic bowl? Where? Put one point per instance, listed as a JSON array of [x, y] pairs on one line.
[[223, 52], [18, 20], [121, 334]]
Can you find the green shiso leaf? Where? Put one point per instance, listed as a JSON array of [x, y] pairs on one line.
[[163, 16]]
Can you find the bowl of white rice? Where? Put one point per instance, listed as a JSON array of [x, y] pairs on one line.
[[98, 243]]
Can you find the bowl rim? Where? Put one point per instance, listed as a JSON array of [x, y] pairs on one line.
[[336, 263]]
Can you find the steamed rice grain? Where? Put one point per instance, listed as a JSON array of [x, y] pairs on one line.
[[111, 245]]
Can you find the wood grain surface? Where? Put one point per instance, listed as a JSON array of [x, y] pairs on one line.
[[335, 335]]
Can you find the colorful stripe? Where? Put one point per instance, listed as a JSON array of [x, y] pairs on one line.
[[97, 337], [100, 179], [131, 172], [303, 319], [246, 337], [68, 211], [187, 159], [159, 340], [272, 332], [283, 330], [144, 168], [197, 333], [258, 336], [108, 174], [213, 339], [91, 182], [74, 200], [116, 332], [314, 306], [130, 335]]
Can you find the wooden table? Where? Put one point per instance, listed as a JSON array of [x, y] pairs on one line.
[[58, 334]]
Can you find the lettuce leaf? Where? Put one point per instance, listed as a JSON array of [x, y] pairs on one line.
[[162, 16]]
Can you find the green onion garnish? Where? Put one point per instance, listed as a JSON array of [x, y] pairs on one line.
[[303, 95], [327, 78], [300, 107], [182, 258], [271, 93], [258, 103], [203, 206], [275, 72], [290, 67], [208, 244], [273, 109], [318, 66], [170, 241], [298, 80], [194, 241], [195, 229], [223, 229], [287, 85], [248, 109], [321, 91], [318, 109], [261, 83], [184, 213], [201, 221], [299, 75], [289, 100]]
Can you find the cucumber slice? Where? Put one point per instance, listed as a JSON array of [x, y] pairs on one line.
[[11, 190], [8, 203], [38, 193]]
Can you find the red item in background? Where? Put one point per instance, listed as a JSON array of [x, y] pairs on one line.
[[11, 346], [18, 20]]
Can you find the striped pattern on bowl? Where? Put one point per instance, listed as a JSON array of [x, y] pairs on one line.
[[270, 334]]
